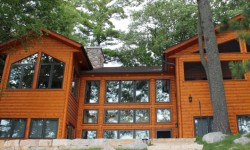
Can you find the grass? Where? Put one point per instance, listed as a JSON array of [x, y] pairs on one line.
[[226, 144]]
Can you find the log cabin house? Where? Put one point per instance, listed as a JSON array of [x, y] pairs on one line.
[[58, 89]]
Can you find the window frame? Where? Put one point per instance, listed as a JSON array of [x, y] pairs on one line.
[[87, 131], [120, 92], [134, 116], [84, 112], [13, 125], [170, 110], [133, 132], [169, 85], [237, 117], [85, 96], [52, 65], [209, 120], [43, 128]]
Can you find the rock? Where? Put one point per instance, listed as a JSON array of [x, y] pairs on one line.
[[245, 134], [45, 143], [2, 143], [10, 143], [139, 145], [242, 140], [27, 143], [61, 142], [213, 137]]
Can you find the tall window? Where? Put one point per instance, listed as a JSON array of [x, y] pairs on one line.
[[75, 84], [127, 116], [22, 73], [43, 128], [92, 92], [90, 116], [243, 124], [50, 73], [163, 115], [127, 91], [12, 128], [162, 90]]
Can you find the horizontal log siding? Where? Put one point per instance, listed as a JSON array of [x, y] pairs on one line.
[[152, 126], [37, 103]]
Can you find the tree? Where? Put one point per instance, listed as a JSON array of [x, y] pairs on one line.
[[96, 24], [212, 67]]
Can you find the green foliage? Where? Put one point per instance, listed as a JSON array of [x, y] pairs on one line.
[[226, 144], [237, 69]]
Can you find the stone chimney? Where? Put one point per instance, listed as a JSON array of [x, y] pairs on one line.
[[96, 56]]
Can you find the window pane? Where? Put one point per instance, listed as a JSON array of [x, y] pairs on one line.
[[162, 90], [110, 134], [111, 116], [126, 116], [112, 91], [36, 128], [163, 115], [127, 91], [48, 59], [44, 76], [88, 134], [142, 91], [22, 72], [90, 116], [244, 124], [57, 79], [142, 116], [5, 128], [142, 134], [92, 91], [51, 128], [126, 134], [203, 125], [18, 128]]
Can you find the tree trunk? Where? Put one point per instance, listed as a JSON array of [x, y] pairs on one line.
[[212, 66]]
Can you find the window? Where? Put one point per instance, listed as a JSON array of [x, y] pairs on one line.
[[12, 128], [203, 125], [163, 115], [243, 124], [70, 131], [89, 134], [43, 128], [127, 116], [75, 84], [90, 116], [126, 134], [2, 64], [229, 46], [162, 91], [127, 91], [22, 73], [92, 91], [50, 73]]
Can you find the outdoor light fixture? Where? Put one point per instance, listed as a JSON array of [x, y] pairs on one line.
[[190, 99]]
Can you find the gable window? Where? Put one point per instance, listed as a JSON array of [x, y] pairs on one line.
[[127, 91], [75, 84], [22, 73], [12, 128], [50, 73], [162, 91], [92, 92], [43, 128], [243, 124]]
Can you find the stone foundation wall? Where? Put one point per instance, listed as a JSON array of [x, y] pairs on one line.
[[74, 144]]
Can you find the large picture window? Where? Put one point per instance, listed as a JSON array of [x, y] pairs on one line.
[[22, 73], [92, 92], [90, 116], [163, 115], [162, 91], [127, 116], [12, 128], [50, 73], [127, 91], [43, 128], [126, 134], [243, 124]]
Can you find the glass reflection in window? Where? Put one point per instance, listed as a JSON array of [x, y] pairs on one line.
[[126, 116], [90, 116], [89, 134], [142, 91], [110, 134], [142, 116], [244, 124], [111, 116], [125, 134], [112, 91], [92, 91], [142, 134], [163, 115], [162, 91]]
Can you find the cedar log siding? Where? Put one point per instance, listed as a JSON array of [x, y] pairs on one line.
[[40, 103], [152, 126], [236, 91]]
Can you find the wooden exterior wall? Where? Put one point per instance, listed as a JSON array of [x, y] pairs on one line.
[[152, 126], [237, 94], [40, 103]]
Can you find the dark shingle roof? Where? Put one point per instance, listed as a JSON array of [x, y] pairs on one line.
[[142, 69]]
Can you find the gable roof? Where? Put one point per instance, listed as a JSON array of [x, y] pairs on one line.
[[56, 36], [180, 46]]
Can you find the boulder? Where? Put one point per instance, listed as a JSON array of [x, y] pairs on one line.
[[213, 137], [61, 142], [136, 145], [242, 140]]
